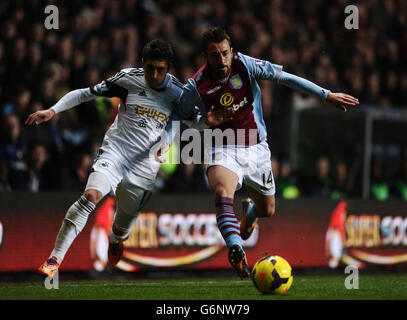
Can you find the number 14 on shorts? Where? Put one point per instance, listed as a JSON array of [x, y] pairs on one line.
[[267, 178]]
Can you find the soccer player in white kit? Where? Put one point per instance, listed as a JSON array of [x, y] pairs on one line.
[[125, 164]]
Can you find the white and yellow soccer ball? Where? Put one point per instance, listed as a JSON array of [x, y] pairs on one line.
[[272, 275]]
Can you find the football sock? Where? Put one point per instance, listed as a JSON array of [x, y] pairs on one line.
[[74, 222], [252, 214], [227, 221], [122, 224]]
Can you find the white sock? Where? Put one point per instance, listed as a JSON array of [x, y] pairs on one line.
[[65, 237], [74, 222]]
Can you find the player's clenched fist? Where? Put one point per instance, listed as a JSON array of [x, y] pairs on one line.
[[40, 117]]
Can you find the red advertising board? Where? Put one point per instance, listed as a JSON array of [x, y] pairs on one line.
[[180, 232], [365, 234], [30, 224]]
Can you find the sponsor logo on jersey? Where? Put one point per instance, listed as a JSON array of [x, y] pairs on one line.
[[151, 113], [237, 106], [213, 90], [143, 94], [236, 82], [226, 99]]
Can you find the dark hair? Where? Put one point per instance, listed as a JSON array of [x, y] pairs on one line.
[[216, 35], [158, 50]]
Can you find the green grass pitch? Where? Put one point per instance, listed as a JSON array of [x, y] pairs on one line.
[[305, 287]]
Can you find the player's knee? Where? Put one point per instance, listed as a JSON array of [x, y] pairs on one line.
[[93, 196], [220, 192]]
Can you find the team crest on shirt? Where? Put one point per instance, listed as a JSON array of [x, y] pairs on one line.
[[236, 82]]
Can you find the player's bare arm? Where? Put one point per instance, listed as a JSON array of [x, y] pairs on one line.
[[265, 70], [68, 101]]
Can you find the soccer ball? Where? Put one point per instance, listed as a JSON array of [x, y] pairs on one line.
[[272, 275]]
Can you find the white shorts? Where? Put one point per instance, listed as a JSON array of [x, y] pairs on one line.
[[116, 170], [251, 164]]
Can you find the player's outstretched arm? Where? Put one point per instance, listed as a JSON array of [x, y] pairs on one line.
[[339, 100], [265, 70], [68, 101]]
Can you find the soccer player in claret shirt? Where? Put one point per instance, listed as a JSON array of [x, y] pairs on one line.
[[230, 79], [124, 164]]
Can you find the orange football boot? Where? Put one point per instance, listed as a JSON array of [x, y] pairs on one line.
[[49, 267], [237, 259]]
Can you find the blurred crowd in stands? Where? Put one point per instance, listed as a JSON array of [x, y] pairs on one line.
[[97, 38]]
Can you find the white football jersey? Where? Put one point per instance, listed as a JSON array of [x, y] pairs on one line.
[[142, 117]]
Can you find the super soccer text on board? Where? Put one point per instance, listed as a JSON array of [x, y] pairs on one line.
[[375, 231]]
